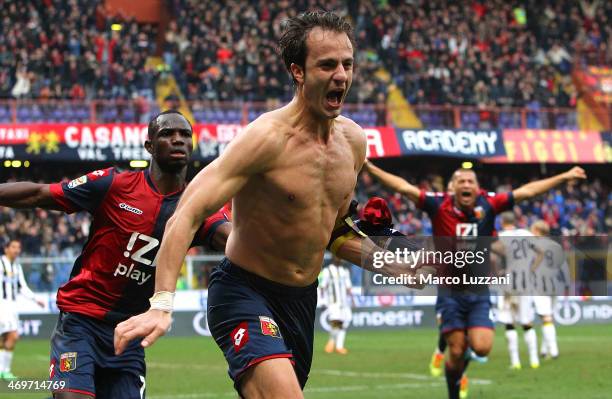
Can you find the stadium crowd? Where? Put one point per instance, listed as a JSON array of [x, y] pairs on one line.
[[515, 53]]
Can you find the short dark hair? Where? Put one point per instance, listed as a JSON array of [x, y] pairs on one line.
[[154, 127], [461, 170], [9, 240], [292, 44]]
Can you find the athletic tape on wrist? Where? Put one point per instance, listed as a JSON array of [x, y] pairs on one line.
[[162, 300]]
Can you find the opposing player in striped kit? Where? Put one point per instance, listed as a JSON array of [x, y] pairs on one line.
[[12, 283], [336, 287], [551, 279], [519, 249]]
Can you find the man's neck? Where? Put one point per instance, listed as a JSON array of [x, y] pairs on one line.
[[167, 182], [301, 117], [462, 208], [10, 259]]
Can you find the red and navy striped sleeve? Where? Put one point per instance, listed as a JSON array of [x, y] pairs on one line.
[[430, 202], [84, 193], [204, 236], [500, 202]]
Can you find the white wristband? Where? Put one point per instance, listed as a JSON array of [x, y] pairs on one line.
[[162, 300]]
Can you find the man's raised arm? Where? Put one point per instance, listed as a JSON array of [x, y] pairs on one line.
[[248, 154], [538, 187], [393, 182], [27, 195]]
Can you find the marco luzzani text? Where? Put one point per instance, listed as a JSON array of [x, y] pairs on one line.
[[412, 259]]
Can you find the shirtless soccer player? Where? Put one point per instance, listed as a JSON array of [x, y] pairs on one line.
[[291, 174], [467, 212]]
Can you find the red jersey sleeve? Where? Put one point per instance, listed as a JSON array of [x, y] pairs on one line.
[[84, 193], [500, 202], [204, 236], [430, 202]]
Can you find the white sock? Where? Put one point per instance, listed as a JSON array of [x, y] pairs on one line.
[[543, 345], [550, 339], [3, 360], [512, 338], [531, 339], [333, 334], [340, 338], [9, 360]]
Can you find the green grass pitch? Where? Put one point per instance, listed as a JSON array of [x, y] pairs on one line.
[[381, 364]]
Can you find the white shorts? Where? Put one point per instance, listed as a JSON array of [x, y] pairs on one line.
[[515, 309], [544, 305], [340, 313], [9, 321]]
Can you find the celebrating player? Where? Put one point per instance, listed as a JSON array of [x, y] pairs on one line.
[[113, 277], [12, 283], [469, 212], [291, 174]]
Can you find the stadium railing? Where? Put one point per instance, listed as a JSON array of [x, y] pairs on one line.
[[140, 111]]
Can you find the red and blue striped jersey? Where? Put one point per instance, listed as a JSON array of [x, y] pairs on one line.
[[113, 277], [448, 221]]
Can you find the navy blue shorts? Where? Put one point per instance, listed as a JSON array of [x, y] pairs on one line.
[[462, 312], [253, 319], [83, 355]]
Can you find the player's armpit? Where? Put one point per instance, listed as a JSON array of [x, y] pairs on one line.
[[219, 239]]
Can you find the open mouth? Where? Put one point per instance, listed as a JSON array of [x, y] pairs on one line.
[[466, 194], [334, 97]]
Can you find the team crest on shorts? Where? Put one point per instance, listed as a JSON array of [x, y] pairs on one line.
[[269, 327], [77, 182], [68, 361]]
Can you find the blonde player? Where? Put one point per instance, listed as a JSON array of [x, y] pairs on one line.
[[516, 305], [336, 286], [12, 282], [551, 279]]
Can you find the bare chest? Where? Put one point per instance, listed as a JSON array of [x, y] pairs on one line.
[[313, 174]]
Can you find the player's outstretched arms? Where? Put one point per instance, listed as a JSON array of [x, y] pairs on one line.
[[27, 195], [393, 182], [538, 187], [250, 153]]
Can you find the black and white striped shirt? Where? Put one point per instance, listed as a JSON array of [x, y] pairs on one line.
[[336, 285], [12, 281]]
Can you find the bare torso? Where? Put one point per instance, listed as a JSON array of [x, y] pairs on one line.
[[283, 217]]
